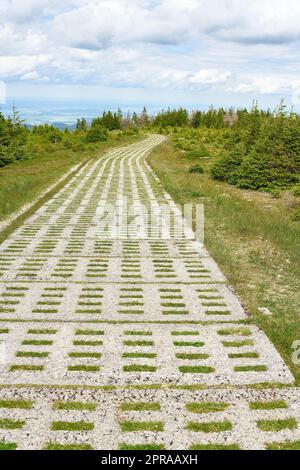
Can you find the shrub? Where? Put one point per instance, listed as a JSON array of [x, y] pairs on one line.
[[67, 144], [131, 131], [296, 215], [12, 153], [55, 136], [226, 168], [194, 154], [262, 153], [78, 147], [97, 134], [296, 190], [196, 169]]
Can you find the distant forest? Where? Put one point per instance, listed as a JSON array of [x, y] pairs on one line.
[[261, 148]]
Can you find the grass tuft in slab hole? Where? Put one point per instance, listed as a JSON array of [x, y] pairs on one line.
[[140, 406], [134, 426], [211, 427], [72, 426], [73, 405]]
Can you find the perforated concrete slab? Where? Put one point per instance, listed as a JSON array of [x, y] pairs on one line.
[[76, 298], [118, 302], [95, 354], [84, 246], [101, 227], [167, 419], [105, 269]]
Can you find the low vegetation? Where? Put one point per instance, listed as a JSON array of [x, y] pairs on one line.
[[243, 165], [260, 149], [31, 159], [252, 234], [261, 152]]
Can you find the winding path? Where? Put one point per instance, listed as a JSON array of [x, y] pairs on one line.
[[91, 300]]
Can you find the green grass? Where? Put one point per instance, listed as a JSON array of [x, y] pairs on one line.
[[206, 407], [87, 343], [83, 368], [71, 426], [132, 289], [134, 426], [140, 406], [37, 342], [217, 312], [139, 355], [169, 304], [196, 369], [268, 405], [238, 344], [26, 368], [131, 304], [11, 424], [184, 333], [256, 368], [137, 333], [23, 181], [16, 404], [138, 343], [57, 446], [254, 241], [288, 445], [88, 311], [55, 289], [169, 290], [249, 355], [8, 446], [85, 354], [90, 332], [209, 427], [175, 312], [139, 368], [48, 310], [192, 357], [31, 354], [242, 331], [196, 344], [131, 312], [124, 446], [73, 405], [277, 425]]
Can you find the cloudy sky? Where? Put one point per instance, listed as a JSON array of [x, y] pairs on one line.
[[194, 52]]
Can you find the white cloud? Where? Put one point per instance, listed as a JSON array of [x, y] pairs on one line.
[[98, 24], [34, 75], [209, 76], [13, 41], [254, 22], [224, 45], [29, 11], [19, 65]]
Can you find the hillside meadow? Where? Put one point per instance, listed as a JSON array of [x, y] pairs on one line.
[[253, 235]]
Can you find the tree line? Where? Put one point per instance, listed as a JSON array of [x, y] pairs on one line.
[[261, 148], [262, 151]]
